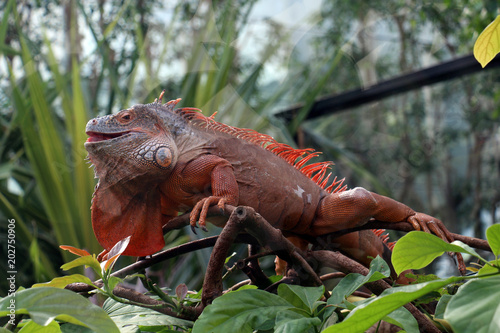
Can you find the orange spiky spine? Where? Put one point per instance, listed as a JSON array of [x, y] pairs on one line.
[[298, 158]]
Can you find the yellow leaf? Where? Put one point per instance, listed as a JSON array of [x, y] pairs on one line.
[[63, 281], [487, 45]]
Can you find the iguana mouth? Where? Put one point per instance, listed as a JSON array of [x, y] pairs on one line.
[[96, 137]]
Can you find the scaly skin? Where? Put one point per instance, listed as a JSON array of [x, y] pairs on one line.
[[153, 162]]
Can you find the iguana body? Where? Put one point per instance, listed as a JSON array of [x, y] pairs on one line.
[[153, 162]]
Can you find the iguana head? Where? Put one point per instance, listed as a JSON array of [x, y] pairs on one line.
[[132, 151], [133, 143]]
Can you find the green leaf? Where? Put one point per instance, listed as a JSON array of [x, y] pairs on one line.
[[248, 286], [32, 327], [487, 269], [72, 328], [475, 307], [293, 322], [5, 19], [493, 237], [241, 311], [379, 269], [331, 319], [353, 281], [63, 281], [34, 251], [366, 314], [441, 306], [75, 114], [487, 45], [301, 297], [90, 261], [467, 249], [417, 249], [112, 282], [229, 257], [131, 315], [46, 148], [404, 319], [45, 304]]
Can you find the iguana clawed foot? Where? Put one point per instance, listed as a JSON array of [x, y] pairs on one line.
[[200, 210], [429, 224]]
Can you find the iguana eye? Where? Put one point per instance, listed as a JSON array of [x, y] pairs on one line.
[[125, 117]]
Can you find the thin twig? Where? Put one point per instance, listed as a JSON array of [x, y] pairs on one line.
[[239, 285], [329, 276]]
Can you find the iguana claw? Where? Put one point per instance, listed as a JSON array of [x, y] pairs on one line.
[[193, 229], [200, 210], [429, 224]]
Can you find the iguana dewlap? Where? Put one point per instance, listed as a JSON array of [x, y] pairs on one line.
[[154, 161]]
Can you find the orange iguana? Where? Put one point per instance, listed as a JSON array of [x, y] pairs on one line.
[[154, 161]]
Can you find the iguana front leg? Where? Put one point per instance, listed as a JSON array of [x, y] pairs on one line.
[[215, 176], [355, 207]]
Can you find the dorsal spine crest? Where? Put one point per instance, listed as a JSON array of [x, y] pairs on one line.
[[298, 158]]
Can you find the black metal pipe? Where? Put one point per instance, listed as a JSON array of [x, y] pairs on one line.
[[442, 72]]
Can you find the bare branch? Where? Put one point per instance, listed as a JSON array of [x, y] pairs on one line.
[[188, 313], [245, 218]]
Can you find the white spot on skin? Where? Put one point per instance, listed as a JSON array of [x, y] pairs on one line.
[[309, 199], [299, 191]]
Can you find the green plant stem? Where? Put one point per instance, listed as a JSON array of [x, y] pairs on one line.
[[163, 296], [129, 302]]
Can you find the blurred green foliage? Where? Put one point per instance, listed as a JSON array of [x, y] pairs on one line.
[[62, 63]]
